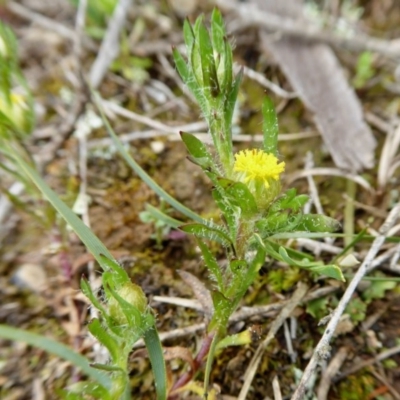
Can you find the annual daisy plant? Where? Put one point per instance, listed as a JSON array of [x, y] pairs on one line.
[[247, 187], [256, 216]]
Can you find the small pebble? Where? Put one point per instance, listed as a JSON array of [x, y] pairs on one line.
[[30, 276], [157, 146]]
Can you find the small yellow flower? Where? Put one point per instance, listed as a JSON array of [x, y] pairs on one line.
[[258, 165]]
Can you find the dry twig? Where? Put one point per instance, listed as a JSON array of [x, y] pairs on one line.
[[360, 365], [331, 172], [110, 46], [321, 352], [330, 372], [253, 16], [242, 314], [279, 320]]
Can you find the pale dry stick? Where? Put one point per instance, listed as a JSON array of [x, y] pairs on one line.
[[269, 310], [109, 48], [382, 258], [79, 34], [385, 382], [318, 247], [374, 318], [276, 388], [321, 352], [263, 81], [331, 172], [377, 122], [176, 105], [395, 166], [176, 333], [165, 97], [332, 369], [123, 112], [279, 320], [286, 137], [44, 22], [363, 364], [289, 343], [395, 258], [309, 164], [148, 134], [129, 137], [179, 301], [172, 134], [387, 158], [246, 312], [394, 230], [372, 210], [250, 15], [48, 24]]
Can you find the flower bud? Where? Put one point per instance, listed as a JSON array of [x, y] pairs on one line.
[[132, 294]]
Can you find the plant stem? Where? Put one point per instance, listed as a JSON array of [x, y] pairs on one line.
[[209, 363], [197, 362], [349, 212]]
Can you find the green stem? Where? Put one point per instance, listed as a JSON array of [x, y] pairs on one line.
[[349, 212], [221, 137], [210, 359]]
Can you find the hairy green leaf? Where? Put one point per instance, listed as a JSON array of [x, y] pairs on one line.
[[318, 223], [332, 271], [156, 355], [205, 232], [198, 150], [105, 338], [211, 264], [270, 127], [56, 348]]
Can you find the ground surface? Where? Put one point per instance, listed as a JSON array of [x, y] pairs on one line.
[[41, 262]]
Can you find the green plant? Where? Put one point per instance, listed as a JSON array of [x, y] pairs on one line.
[[98, 12], [247, 189], [162, 223], [364, 70], [256, 216], [124, 315], [16, 111]]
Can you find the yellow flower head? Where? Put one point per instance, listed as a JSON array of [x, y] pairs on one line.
[[258, 166]]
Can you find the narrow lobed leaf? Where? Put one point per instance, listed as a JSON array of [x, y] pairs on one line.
[[205, 232], [105, 339], [198, 150], [211, 263], [270, 127], [318, 223], [156, 355], [230, 102]]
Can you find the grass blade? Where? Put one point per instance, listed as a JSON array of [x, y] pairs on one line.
[[56, 348], [142, 173]]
